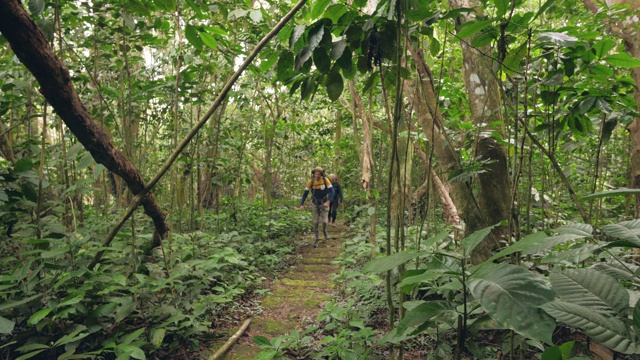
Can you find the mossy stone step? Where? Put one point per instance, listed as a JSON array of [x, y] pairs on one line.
[[306, 275], [306, 283], [286, 292], [316, 268], [294, 305], [242, 352], [317, 261]]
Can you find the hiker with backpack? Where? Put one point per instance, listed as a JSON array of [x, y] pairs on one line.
[[322, 193], [337, 199]]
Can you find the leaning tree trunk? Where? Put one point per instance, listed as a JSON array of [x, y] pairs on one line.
[[30, 46], [483, 90]]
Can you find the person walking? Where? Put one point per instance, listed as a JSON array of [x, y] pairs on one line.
[[322, 193], [337, 198]]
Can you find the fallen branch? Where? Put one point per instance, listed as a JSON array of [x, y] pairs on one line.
[[231, 341]]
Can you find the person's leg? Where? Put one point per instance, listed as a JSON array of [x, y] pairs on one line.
[[332, 212], [316, 219], [324, 218]]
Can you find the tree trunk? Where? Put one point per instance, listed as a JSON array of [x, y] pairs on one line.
[[30, 46], [484, 100], [424, 101]]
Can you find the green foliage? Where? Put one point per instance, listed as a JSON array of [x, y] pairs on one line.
[[133, 305]]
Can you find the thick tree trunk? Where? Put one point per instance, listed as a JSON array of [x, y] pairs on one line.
[[424, 101], [494, 195], [31, 47]]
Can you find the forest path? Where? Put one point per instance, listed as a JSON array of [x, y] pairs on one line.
[[298, 294]]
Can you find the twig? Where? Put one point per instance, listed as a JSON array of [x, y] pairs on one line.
[[231, 340]]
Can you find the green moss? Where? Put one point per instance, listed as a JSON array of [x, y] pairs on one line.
[[273, 327], [307, 283], [242, 352]]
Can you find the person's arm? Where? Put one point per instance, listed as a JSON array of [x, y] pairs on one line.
[[339, 194], [306, 192], [332, 193], [304, 197]]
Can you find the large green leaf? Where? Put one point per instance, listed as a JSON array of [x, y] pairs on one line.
[[6, 325], [426, 276], [603, 46], [510, 294], [626, 230], [315, 36], [302, 57], [501, 7], [511, 63], [38, 316], [609, 193], [335, 11], [386, 263], [423, 313], [166, 5], [539, 242], [335, 85], [322, 60], [472, 28], [418, 10], [470, 242], [35, 7], [619, 271], [560, 39], [74, 336], [208, 40], [192, 35], [285, 66], [318, 8], [608, 331], [623, 60], [592, 289], [338, 49], [295, 35], [576, 254]]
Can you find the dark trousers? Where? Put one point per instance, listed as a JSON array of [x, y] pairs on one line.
[[333, 211]]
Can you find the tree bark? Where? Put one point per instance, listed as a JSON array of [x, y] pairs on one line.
[[30, 46], [424, 101], [484, 101]]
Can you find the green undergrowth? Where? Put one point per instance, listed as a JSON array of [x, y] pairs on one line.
[[133, 305], [549, 295]]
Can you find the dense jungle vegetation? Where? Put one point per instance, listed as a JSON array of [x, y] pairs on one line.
[[153, 154]]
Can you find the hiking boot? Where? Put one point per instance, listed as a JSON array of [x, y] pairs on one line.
[[315, 244]]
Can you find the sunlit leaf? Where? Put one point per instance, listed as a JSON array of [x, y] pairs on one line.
[[38, 316], [560, 39], [472, 28], [623, 60], [318, 7], [209, 40], [35, 7]]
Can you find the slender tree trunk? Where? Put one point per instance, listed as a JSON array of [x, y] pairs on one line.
[[366, 158]]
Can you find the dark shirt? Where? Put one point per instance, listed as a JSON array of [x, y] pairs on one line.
[[338, 197]]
